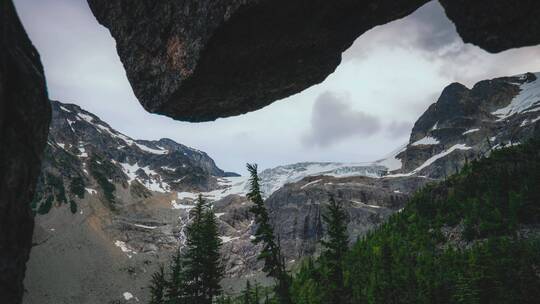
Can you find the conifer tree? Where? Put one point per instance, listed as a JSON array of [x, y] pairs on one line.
[[193, 259], [202, 261], [175, 292], [246, 294], [335, 248], [274, 265], [212, 266], [158, 287]]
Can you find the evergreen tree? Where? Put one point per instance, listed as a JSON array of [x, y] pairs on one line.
[[175, 292], [274, 264], [158, 287], [194, 255], [246, 294], [195, 274], [212, 266], [335, 249], [202, 261]]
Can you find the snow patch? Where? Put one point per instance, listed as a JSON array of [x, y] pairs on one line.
[[226, 239], [151, 150], [86, 117], [310, 183], [428, 140], [528, 97], [470, 131], [65, 109], [145, 226], [367, 205], [391, 161], [176, 205], [154, 181], [125, 248], [228, 185], [432, 159], [70, 123], [90, 190]]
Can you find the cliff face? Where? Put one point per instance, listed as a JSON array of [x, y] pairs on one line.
[[200, 60], [24, 119], [466, 123]]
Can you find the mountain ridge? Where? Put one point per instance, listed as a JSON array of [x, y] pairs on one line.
[[139, 220]]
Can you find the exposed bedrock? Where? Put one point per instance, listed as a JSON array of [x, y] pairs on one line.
[[198, 60], [24, 120]]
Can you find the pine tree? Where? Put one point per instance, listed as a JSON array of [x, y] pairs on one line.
[[158, 287], [175, 292], [212, 266], [274, 264], [334, 249], [246, 294], [202, 260], [194, 255]]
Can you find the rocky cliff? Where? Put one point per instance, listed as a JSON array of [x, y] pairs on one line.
[[201, 60], [24, 119], [467, 123]]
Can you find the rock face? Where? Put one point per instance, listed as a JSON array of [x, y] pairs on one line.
[[495, 25], [200, 60], [467, 123], [298, 207], [24, 120]]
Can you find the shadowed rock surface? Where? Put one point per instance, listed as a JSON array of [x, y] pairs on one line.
[[495, 26], [24, 119], [200, 60]]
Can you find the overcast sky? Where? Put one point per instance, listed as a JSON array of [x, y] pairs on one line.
[[361, 112]]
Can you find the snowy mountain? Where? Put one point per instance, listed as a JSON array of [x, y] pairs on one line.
[[85, 152], [462, 125], [465, 124], [274, 178], [119, 206]]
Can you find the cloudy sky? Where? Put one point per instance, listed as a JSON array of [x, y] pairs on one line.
[[361, 112]]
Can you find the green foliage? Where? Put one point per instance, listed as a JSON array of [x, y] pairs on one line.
[[45, 206], [195, 274], [100, 169], [274, 264], [157, 289], [455, 242], [76, 187], [252, 294], [72, 206], [334, 250]]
